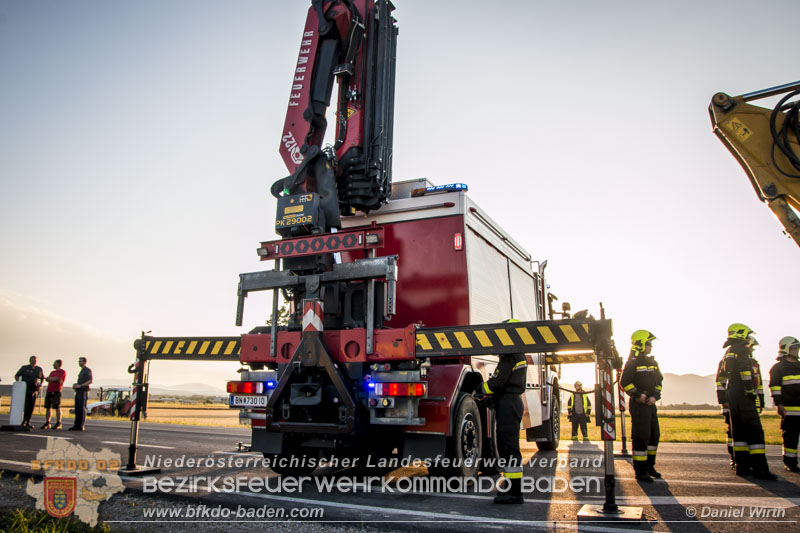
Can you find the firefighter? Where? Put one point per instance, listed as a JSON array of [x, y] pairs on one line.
[[722, 399], [742, 394], [641, 380], [506, 387], [784, 384], [579, 408]]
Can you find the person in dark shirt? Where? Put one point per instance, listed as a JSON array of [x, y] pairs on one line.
[[641, 380], [742, 390], [33, 376], [784, 384], [81, 394], [506, 387]]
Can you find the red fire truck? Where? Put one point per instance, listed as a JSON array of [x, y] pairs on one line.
[[397, 292], [454, 265]]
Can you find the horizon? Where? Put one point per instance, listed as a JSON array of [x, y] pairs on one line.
[[139, 141]]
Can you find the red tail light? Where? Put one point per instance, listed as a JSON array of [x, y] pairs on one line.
[[400, 389], [245, 387]]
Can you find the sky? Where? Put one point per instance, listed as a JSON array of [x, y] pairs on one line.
[[138, 141]]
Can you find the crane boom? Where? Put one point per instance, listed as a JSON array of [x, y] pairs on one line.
[[766, 142], [352, 42]]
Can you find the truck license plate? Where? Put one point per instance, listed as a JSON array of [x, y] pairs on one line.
[[237, 400]]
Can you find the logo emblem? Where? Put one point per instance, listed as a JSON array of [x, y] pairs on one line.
[[60, 495], [292, 148]]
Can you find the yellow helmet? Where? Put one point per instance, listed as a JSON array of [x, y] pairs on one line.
[[639, 338], [739, 331], [786, 344], [508, 321]]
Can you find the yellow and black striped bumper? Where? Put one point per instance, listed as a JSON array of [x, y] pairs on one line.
[[190, 348], [514, 337]]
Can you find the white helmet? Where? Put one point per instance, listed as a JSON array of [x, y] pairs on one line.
[[786, 344]]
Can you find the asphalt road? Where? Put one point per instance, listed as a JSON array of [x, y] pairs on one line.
[[698, 493]]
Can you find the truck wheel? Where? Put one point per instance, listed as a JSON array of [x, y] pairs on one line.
[[491, 456], [464, 447], [302, 469], [554, 424]]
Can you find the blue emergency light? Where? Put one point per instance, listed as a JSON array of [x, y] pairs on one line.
[[447, 188]]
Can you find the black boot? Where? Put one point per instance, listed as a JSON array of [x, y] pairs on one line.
[[513, 495], [791, 464], [640, 468], [761, 468], [651, 467], [765, 475]]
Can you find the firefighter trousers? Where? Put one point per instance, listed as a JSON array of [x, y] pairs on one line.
[[748, 435], [645, 434], [508, 411], [790, 430], [727, 415]]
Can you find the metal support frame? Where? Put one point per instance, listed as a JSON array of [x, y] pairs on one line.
[[607, 361], [311, 353], [140, 389], [362, 269], [168, 349]]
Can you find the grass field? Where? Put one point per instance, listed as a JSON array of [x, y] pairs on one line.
[[702, 426]]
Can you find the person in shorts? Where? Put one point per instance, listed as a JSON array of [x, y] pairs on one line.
[[52, 397]]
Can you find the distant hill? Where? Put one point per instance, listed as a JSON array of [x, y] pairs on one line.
[[687, 389], [693, 389]]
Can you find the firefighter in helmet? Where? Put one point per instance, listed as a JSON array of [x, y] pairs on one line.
[[722, 399], [742, 395], [506, 386], [784, 384], [722, 395], [641, 380]]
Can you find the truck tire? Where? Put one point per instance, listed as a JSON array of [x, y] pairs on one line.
[[554, 424], [465, 445], [491, 456]]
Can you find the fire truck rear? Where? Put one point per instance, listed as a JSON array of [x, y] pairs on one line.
[[345, 377]]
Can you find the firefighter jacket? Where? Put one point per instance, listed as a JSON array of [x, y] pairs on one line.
[[722, 382], [758, 382], [587, 404], [739, 367], [641, 375], [509, 376], [784, 384]]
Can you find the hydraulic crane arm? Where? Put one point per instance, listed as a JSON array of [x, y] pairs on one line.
[[352, 42], [766, 142]]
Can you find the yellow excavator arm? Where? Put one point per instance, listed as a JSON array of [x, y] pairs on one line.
[[766, 142]]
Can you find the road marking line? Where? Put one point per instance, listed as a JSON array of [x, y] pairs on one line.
[[694, 482], [138, 445], [250, 454], [444, 517], [42, 436], [18, 463]]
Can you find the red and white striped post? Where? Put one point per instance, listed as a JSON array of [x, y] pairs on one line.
[[312, 316], [624, 451], [608, 426]]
